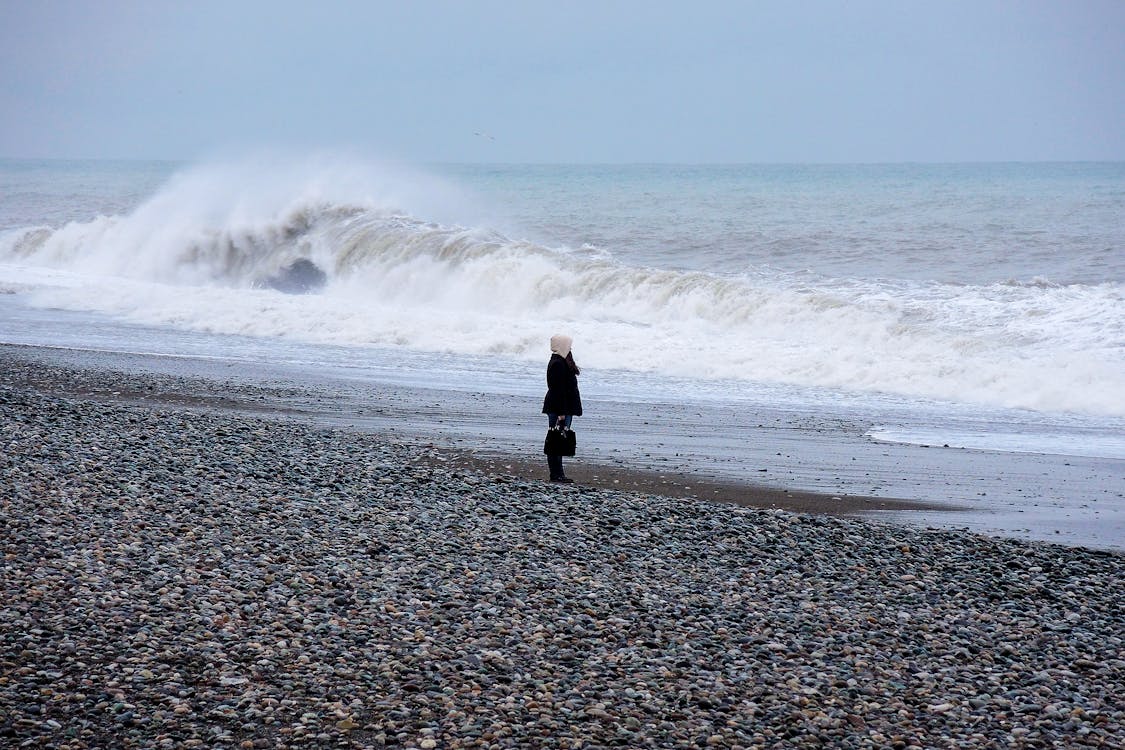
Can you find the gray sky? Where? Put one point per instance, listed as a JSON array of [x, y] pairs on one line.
[[697, 81]]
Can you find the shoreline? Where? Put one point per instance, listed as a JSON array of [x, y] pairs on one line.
[[197, 577], [772, 450], [139, 388]]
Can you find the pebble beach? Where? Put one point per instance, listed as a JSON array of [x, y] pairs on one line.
[[180, 575]]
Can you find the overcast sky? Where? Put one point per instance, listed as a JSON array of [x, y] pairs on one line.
[[697, 81]]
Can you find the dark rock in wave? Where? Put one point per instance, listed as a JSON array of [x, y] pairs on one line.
[[299, 277]]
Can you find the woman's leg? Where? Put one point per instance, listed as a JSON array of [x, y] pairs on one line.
[[554, 463]]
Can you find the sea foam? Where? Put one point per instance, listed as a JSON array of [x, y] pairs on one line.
[[406, 264]]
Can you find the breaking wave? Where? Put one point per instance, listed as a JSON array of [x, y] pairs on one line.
[[392, 263]]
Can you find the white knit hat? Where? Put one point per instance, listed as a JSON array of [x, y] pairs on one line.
[[560, 344]]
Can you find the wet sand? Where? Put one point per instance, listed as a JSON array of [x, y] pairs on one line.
[[603, 476]]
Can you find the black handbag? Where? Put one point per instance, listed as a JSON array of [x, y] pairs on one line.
[[560, 441]]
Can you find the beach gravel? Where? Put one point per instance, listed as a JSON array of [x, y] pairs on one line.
[[176, 577]]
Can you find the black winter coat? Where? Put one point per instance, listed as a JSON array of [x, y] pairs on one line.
[[562, 389]]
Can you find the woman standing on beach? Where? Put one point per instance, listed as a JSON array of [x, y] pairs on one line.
[[562, 402]]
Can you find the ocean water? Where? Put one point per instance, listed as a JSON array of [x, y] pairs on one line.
[[975, 304]]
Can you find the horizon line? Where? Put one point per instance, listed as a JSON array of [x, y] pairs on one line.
[[654, 163]]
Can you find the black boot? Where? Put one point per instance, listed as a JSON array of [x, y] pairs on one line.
[[556, 467]]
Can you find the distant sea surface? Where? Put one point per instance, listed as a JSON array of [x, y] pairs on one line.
[[979, 304]]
